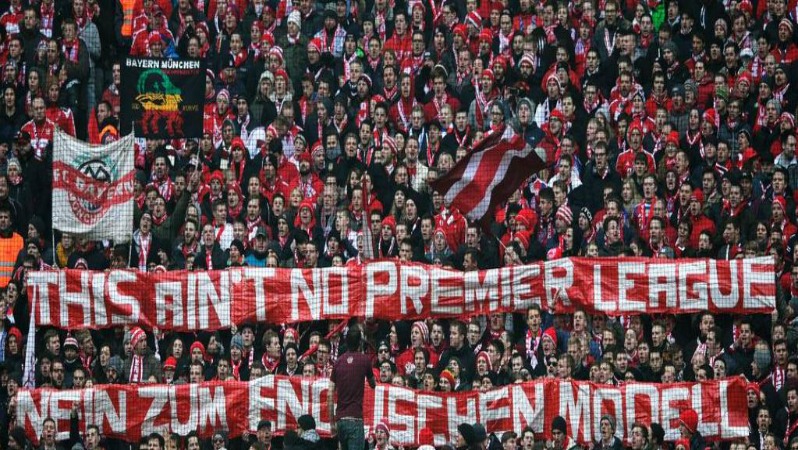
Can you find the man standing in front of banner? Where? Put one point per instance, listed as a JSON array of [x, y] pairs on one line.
[[346, 380]]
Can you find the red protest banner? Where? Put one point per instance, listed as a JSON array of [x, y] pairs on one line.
[[389, 290], [129, 412]]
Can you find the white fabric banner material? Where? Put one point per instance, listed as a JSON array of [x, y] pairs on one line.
[[93, 188]]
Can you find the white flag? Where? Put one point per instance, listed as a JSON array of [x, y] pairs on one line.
[[93, 188]]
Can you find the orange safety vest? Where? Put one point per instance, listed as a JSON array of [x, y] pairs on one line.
[[9, 249], [128, 6]]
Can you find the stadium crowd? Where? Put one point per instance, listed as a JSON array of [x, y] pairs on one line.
[[668, 127]]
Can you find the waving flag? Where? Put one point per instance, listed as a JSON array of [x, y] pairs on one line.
[[488, 175], [93, 188]]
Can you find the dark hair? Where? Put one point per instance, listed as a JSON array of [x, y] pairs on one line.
[[158, 436], [353, 339]]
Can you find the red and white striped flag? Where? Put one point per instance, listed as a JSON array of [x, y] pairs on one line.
[[488, 175]]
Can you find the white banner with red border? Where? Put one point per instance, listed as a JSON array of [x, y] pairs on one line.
[[93, 187]]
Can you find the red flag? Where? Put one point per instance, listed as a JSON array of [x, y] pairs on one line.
[[488, 175]]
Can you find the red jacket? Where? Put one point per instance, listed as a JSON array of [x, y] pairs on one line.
[[700, 223], [401, 45], [626, 162], [310, 189]]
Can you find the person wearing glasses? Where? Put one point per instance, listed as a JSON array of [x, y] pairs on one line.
[[218, 441]]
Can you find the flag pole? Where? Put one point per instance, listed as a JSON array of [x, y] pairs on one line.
[[52, 235], [55, 254], [133, 228]]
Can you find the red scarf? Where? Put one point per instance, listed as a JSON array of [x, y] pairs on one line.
[[159, 220], [144, 249], [270, 363], [70, 49], [188, 250], [240, 58], [328, 39], [236, 369], [402, 110], [482, 109], [47, 17], [380, 28], [86, 360], [83, 20], [209, 258]]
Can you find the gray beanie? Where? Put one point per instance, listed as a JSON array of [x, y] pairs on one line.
[[610, 419], [237, 341], [691, 86], [762, 358], [527, 101], [670, 45], [116, 363]]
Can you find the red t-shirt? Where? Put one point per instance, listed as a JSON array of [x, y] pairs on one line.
[[349, 374]]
